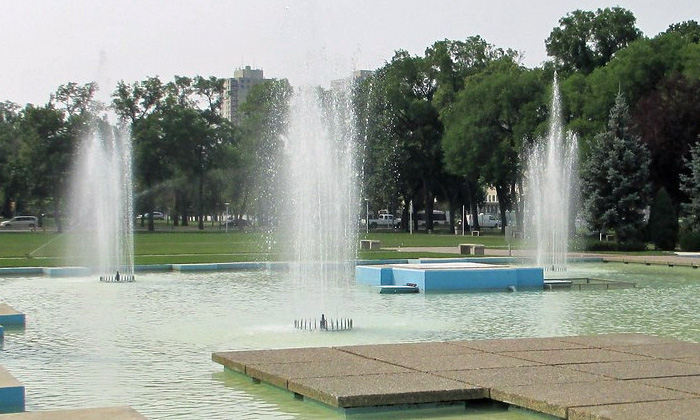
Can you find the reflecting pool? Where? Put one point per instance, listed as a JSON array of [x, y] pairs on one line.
[[148, 344]]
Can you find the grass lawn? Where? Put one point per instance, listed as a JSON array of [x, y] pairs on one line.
[[37, 249]]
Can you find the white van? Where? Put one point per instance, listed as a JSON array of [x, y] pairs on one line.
[[21, 222]]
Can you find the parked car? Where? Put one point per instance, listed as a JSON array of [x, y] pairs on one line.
[[21, 222], [156, 215], [235, 222]]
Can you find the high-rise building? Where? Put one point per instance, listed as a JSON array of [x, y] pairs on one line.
[[236, 90]]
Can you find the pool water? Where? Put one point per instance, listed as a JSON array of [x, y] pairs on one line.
[[148, 344]]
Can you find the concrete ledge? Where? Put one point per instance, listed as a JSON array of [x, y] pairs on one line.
[[370, 244], [471, 249], [66, 271], [195, 267], [21, 271], [10, 317], [106, 413], [11, 393]]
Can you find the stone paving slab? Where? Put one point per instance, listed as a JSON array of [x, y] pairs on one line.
[[518, 344], [106, 413], [670, 409], [555, 376], [524, 375], [237, 360], [679, 350], [617, 340], [572, 356], [280, 373], [639, 369], [439, 363], [387, 389], [556, 400], [403, 350], [690, 384]]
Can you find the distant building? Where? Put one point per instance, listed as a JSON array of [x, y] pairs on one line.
[[236, 90], [356, 77]]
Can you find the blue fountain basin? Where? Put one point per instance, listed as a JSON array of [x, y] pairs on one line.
[[451, 276]]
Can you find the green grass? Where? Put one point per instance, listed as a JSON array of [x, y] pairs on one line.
[[188, 245]]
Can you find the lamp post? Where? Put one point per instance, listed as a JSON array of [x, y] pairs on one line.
[[366, 215], [226, 218]]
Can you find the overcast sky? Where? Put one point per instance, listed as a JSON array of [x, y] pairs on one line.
[[44, 44]]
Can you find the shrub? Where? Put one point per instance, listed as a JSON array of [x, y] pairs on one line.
[[690, 241], [663, 222]]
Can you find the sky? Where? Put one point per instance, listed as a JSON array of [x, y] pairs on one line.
[[47, 43]]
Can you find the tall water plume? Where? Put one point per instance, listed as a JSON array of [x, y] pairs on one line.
[[101, 207], [552, 189], [321, 195]]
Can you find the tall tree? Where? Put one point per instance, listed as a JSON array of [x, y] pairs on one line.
[[586, 40], [615, 178], [263, 124], [45, 152], [484, 130], [11, 178], [690, 185], [668, 121], [663, 222]]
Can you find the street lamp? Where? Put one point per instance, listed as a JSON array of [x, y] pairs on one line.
[[226, 218], [367, 215]]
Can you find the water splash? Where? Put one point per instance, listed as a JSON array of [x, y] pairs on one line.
[[101, 207], [551, 190], [321, 214]]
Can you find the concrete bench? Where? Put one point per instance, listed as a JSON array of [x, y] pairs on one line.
[[476, 233], [471, 249], [370, 244]]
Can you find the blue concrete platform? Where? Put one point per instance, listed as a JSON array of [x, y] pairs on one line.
[[9, 317], [11, 393], [452, 276]]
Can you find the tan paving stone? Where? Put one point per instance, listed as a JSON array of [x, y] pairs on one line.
[[678, 350], [616, 340], [640, 369], [571, 356], [690, 384], [556, 400], [387, 389], [280, 373], [404, 350], [653, 410], [432, 363], [237, 360], [107, 413], [523, 375], [518, 344]]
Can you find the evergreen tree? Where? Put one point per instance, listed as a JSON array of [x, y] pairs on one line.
[[615, 178], [663, 222], [690, 185]]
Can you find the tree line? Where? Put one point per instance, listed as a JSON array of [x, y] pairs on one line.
[[438, 127]]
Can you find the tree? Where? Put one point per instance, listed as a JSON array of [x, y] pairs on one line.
[[485, 127], [663, 222], [668, 121], [690, 185], [586, 40], [45, 153], [11, 174], [264, 117], [615, 178]]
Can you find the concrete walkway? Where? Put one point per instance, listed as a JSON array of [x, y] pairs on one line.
[[687, 259], [599, 377]]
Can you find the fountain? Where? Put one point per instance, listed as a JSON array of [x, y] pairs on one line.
[[551, 186], [101, 208], [321, 205]]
